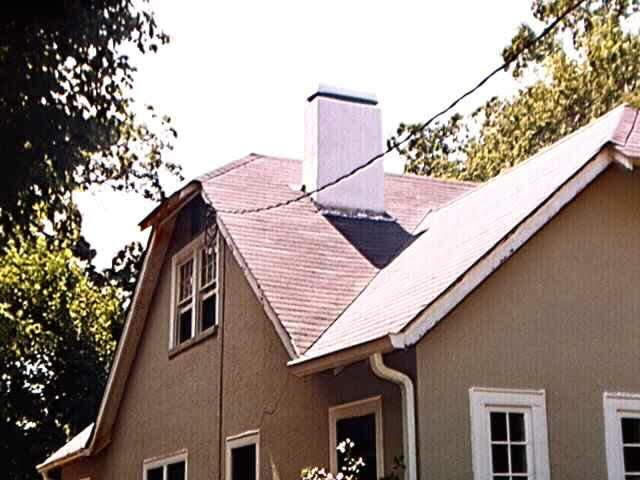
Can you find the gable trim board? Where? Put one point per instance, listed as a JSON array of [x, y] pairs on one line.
[[415, 330], [100, 435], [134, 326]]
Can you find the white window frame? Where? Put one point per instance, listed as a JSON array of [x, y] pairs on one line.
[[615, 404], [163, 461], [359, 408], [252, 437], [482, 401], [192, 251]]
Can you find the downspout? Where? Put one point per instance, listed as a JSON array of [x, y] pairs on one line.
[[408, 411]]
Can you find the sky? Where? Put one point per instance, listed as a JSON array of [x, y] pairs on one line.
[[235, 76]]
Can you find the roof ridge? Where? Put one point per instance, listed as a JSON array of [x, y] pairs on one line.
[[228, 167], [415, 176]]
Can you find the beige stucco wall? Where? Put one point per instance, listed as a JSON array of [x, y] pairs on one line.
[[563, 314], [173, 403]]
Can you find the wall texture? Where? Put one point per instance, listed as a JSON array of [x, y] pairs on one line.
[[172, 404], [563, 314]]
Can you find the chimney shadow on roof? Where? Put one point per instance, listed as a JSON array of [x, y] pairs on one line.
[[377, 241]]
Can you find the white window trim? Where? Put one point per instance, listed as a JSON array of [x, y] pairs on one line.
[[191, 251], [358, 408], [252, 437], [154, 462], [615, 403], [482, 399]]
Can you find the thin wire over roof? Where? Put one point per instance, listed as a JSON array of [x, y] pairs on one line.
[[458, 235], [309, 265]]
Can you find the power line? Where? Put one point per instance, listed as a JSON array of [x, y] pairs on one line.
[[302, 196]]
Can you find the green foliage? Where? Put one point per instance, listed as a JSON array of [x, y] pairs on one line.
[[123, 275], [588, 67], [67, 122], [56, 344], [66, 113]]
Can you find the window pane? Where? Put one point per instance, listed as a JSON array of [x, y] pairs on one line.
[[243, 463], [209, 312], [498, 426], [516, 427], [631, 430], [186, 280], [632, 459], [500, 477], [500, 458], [175, 471], [362, 432], [518, 459], [154, 473], [632, 477], [208, 266], [184, 326]]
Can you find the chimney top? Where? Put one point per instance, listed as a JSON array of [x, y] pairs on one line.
[[327, 91], [343, 131]]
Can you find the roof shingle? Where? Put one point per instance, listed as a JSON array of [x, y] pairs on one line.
[[309, 265], [455, 237]]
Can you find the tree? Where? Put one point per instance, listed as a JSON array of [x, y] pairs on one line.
[[123, 274], [590, 65], [67, 117], [56, 343], [68, 122]]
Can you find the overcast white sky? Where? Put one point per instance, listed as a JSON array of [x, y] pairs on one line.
[[236, 74]]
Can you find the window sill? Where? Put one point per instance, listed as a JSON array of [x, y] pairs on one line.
[[202, 336]]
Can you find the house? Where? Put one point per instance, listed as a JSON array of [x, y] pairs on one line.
[[482, 332]]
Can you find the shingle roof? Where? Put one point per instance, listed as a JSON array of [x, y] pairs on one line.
[[310, 266], [453, 238]]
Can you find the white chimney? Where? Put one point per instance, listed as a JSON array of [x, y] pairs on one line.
[[343, 130]]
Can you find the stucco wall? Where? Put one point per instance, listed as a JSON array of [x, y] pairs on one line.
[[173, 403], [563, 315]]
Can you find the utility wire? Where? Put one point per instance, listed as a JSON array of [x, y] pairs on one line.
[[504, 66]]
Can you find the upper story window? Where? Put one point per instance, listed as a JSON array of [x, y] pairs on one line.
[[622, 435], [168, 468], [195, 290], [509, 434]]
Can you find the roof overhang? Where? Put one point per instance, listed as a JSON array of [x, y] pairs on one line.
[[307, 366], [171, 205]]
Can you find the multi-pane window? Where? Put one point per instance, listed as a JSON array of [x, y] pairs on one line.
[[622, 435], [506, 424], [174, 468], [510, 445], [185, 301], [631, 445], [196, 290], [208, 287]]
